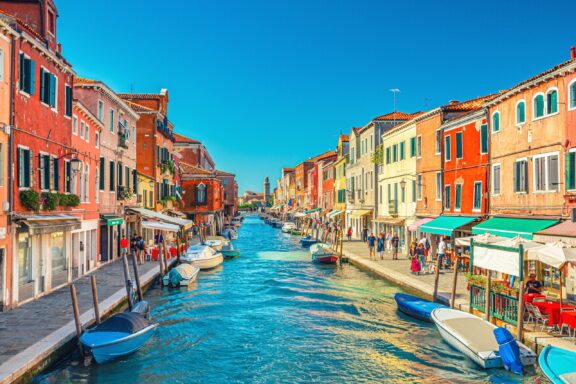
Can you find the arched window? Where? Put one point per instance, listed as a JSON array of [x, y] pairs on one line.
[[521, 112], [551, 101], [572, 94], [496, 122], [201, 194], [538, 106]]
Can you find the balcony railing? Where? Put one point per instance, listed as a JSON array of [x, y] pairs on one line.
[[124, 193], [392, 207], [502, 306]]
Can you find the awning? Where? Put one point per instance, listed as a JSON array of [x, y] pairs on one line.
[[299, 214], [389, 220], [41, 225], [159, 225], [112, 220], [445, 225], [564, 229], [360, 212], [417, 224], [311, 210], [511, 227], [324, 213], [185, 224], [334, 213]]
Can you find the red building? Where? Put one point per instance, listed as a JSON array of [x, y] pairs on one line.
[[312, 198], [41, 151], [569, 107], [327, 177]]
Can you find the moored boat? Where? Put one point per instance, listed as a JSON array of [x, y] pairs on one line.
[[558, 364], [475, 338], [229, 252], [216, 242], [307, 241], [181, 276], [416, 307], [295, 231], [202, 256], [230, 232], [321, 253], [118, 336], [288, 226]]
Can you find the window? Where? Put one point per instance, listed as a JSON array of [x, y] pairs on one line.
[[1, 65], [419, 187], [371, 142], [447, 148], [100, 110], [538, 106], [402, 150], [68, 106], [387, 155], [87, 133], [82, 126], [102, 180], [496, 122], [201, 194], [438, 186], [412, 146], [86, 183], [496, 179], [75, 125], [44, 166], [419, 149], [546, 172], [96, 184], [55, 174], [67, 177], [413, 191], [48, 86], [447, 201], [133, 135], [111, 175], [484, 138], [82, 183], [571, 170], [97, 139], [438, 141], [521, 176], [120, 175], [24, 167], [477, 196], [111, 120], [551, 102], [27, 73], [459, 148], [402, 193], [572, 95], [395, 153], [521, 112], [51, 23], [458, 197]]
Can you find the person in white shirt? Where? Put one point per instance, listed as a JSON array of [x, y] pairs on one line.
[[441, 251]]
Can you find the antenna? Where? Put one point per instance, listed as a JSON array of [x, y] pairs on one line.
[[394, 91]]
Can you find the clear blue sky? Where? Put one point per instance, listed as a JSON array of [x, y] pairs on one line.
[[266, 84]]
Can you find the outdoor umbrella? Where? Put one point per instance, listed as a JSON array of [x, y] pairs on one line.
[[486, 238]]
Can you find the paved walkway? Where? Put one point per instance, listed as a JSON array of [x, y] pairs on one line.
[[398, 271], [31, 334]]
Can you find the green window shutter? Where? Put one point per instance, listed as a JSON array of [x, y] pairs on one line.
[[68, 101], [447, 193], [21, 73], [402, 150], [42, 85], [573, 95], [459, 148], [484, 138], [413, 191], [496, 122], [447, 148], [102, 174], [552, 102], [412, 146], [67, 176], [28, 168], [387, 155], [31, 77], [52, 90], [111, 176], [539, 106], [521, 113], [570, 170], [516, 177]]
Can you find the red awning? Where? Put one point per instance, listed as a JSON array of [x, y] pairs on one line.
[[414, 226]]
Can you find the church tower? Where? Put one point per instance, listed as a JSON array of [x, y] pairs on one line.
[[266, 190]]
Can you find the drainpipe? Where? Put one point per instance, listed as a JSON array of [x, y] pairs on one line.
[[11, 169], [489, 163]]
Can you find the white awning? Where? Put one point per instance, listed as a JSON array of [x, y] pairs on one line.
[[504, 261], [160, 216], [159, 225]]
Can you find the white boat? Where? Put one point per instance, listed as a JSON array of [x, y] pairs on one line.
[[181, 276], [288, 226], [202, 256], [216, 242], [475, 338], [230, 232]]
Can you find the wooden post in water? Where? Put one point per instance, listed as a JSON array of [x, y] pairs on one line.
[[77, 318], [128, 282], [436, 278], [137, 276], [454, 282], [487, 293], [95, 299], [177, 249]]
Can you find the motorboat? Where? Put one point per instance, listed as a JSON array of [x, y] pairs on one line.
[[277, 223], [181, 276], [416, 307], [202, 256], [118, 336], [475, 338], [288, 226], [216, 242], [236, 221], [230, 232], [229, 252], [307, 241], [321, 253], [558, 364], [295, 231]]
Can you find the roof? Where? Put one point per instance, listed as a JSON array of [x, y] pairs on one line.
[[321, 156], [395, 116], [223, 173], [344, 137], [138, 107], [140, 96], [98, 84], [183, 139], [469, 105], [189, 169]]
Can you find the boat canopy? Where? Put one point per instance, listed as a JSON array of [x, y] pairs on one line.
[[126, 322], [445, 225], [512, 227]]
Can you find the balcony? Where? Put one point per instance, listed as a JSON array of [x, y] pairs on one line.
[[124, 193], [392, 207], [122, 133]]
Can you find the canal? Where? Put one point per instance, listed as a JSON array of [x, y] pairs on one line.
[[271, 316]]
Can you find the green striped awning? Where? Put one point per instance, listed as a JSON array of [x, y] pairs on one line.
[[511, 227], [445, 225]]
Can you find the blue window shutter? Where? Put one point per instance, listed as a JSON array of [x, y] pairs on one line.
[[32, 75], [52, 90]]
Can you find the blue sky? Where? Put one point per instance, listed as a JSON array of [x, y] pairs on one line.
[[266, 84]]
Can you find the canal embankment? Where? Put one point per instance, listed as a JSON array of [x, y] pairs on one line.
[[39, 333]]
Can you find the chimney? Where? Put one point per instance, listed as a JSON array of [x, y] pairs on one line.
[[572, 53], [454, 102], [59, 49]]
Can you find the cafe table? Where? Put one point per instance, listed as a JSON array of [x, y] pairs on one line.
[[569, 318], [529, 297], [552, 309]]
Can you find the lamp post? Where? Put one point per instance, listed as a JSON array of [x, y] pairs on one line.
[[75, 165]]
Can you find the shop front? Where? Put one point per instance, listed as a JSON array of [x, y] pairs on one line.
[[110, 237], [359, 219], [85, 244], [450, 227], [393, 226]]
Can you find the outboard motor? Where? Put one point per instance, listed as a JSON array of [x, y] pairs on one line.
[[509, 351]]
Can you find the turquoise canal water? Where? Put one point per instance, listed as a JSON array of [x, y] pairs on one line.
[[271, 316]]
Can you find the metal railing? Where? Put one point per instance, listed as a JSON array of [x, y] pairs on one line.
[[502, 306]]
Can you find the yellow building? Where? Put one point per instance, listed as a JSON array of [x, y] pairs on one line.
[[146, 198], [340, 178]]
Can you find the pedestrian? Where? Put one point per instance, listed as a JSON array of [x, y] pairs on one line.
[[134, 244], [371, 243], [123, 245], [395, 244], [389, 241], [141, 249], [349, 234], [421, 256], [381, 245], [441, 252], [415, 264], [365, 234]]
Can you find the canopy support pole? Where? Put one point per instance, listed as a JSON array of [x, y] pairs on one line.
[[520, 332], [487, 293]]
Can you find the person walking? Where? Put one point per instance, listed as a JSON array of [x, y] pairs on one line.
[[441, 252], [349, 234], [134, 244], [123, 245], [371, 243], [381, 245], [395, 244], [388, 241], [421, 256], [141, 249], [365, 234]]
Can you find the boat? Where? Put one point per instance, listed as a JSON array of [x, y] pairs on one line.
[[277, 223], [236, 222], [475, 338], [288, 226], [416, 307], [307, 241], [229, 252], [295, 231], [181, 276], [202, 256], [216, 242], [558, 364], [230, 232], [118, 336], [321, 253]]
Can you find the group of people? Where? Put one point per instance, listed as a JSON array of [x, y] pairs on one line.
[[419, 251], [137, 246], [382, 243]]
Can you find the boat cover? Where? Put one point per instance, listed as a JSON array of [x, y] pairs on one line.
[[509, 351], [182, 272], [126, 322]]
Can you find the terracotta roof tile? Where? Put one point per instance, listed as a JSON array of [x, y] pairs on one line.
[[344, 137], [183, 139], [189, 169], [83, 80], [395, 116], [138, 107], [469, 105], [139, 96]]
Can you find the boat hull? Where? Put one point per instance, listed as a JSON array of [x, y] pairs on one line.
[[209, 263], [326, 259], [122, 347], [416, 307], [230, 254], [559, 365]]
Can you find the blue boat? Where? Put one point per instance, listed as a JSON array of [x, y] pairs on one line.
[[416, 307], [307, 241], [118, 336], [559, 365]]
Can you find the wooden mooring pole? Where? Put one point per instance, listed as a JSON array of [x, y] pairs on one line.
[[128, 282], [487, 293], [77, 318], [137, 276], [95, 299], [436, 278], [454, 281]]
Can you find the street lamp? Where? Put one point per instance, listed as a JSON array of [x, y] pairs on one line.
[[403, 184], [75, 165]]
